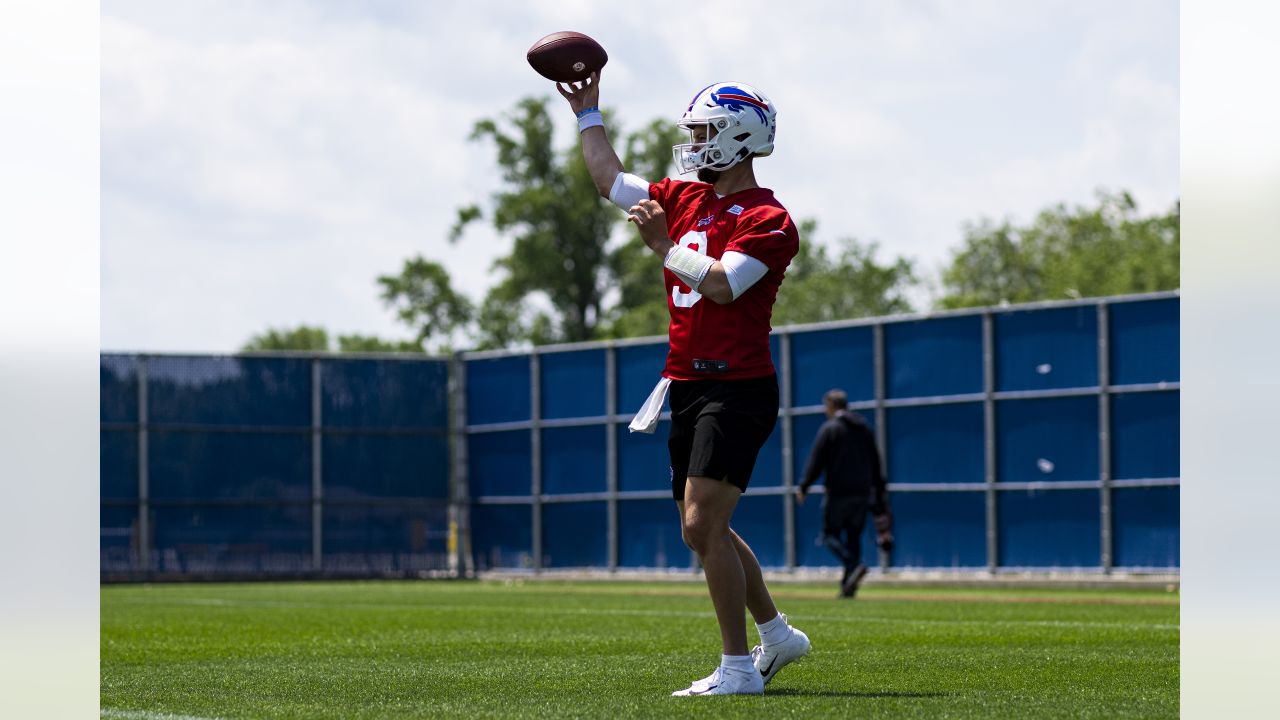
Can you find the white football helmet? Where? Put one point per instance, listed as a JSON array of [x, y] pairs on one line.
[[740, 122]]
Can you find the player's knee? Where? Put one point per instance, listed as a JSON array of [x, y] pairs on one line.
[[699, 531]]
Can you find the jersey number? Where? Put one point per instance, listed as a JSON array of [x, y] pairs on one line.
[[694, 241]]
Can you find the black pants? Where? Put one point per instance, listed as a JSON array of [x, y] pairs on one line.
[[843, 517]]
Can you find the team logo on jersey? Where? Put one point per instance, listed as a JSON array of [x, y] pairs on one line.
[[735, 210], [706, 221]]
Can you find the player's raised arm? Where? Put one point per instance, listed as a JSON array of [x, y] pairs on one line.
[[602, 160]]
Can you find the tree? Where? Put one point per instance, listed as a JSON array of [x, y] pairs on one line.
[[852, 284], [560, 226], [307, 338], [303, 337], [564, 280], [371, 344], [423, 298], [1109, 249]]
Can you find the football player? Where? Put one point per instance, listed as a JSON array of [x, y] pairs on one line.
[[725, 243]]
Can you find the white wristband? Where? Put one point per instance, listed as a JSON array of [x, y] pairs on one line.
[[590, 120], [688, 265]]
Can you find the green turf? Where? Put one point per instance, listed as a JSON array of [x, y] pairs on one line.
[[616, 649]]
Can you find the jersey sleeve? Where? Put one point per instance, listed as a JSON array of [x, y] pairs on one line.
[[768, 235]]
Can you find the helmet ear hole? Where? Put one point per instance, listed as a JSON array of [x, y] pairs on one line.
[[742, 137]]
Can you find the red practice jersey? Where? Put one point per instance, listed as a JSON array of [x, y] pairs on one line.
[[730, 341]]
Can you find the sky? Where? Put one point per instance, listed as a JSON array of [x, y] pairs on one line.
[[264, 162]]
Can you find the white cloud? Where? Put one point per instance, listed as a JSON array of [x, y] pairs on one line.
[[262, 163]]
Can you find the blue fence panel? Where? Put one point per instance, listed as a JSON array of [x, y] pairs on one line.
[[384, 393], [639, 369], [649, 535], [1047, 440], [222, 465], [118, 464], [500, 463], [811, 552], [925, 358], [1044, 349], [575, 534], [573, 459], [1144, 341], [1145, 526], [360, 466], [502, 536], [827, 359], [573, 384], [118, 388], [758, 519], [498, 390], [1144, 429], [936, 443], [271, 392], [273, 538], [1049, 528], [768, 468], [939, 529], [643, 460], [400, 529], [117, 537]]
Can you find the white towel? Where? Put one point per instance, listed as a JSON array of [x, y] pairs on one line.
[[646, 421]]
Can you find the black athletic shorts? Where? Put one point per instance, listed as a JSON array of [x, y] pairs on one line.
[[718, 428]]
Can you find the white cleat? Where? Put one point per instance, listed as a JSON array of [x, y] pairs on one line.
[[725, 682], [769, 659]]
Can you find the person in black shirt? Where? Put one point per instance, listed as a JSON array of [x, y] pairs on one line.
[[845, 450]]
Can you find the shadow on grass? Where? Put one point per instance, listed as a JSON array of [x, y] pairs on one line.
[[852, 694]]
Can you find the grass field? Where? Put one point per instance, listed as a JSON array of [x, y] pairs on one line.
[[618, 649]]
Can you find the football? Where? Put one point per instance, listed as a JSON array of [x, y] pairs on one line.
[[566, 56]]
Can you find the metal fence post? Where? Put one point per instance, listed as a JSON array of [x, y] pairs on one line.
[[535, 444], [461, 563], [144, 479], [1104, 437], [882, 432], [317, 469], [989, 439], [788, 450], [611, 451]]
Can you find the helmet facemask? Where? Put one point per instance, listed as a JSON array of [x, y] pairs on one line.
[[722, 150]]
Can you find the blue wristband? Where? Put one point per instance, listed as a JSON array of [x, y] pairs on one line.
[[587, 111]]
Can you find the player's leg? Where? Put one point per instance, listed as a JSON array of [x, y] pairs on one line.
[[708, 505], [854, 521], [834, 520], [759, 601], [705, 514]]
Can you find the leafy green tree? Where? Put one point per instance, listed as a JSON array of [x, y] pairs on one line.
[[307, 338], [303, 337], [849, 284], [369, 343], [1107, 249], [423, 298], [564, 280], [560, 226]]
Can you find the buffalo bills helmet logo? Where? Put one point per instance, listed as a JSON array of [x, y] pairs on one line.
[[738, 100]]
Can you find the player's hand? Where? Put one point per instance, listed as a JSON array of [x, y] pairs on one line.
[[800, 493], [651, 221], [582, 94]]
